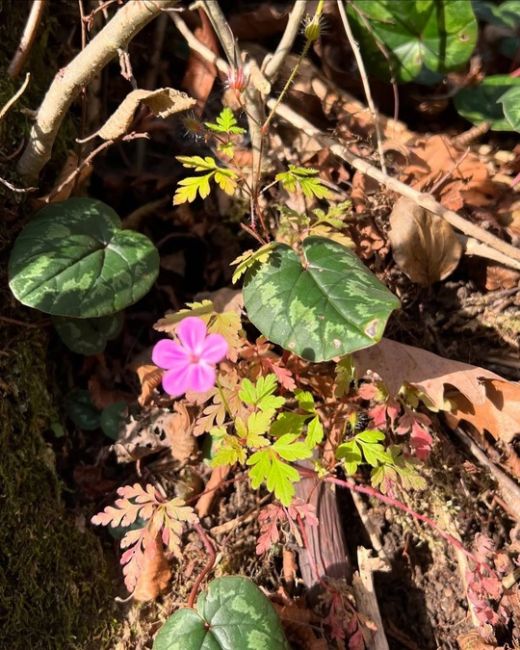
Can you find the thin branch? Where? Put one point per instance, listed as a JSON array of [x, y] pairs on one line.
[[364, 79], [67, 84], [212, 556], [426, 201], [273, 62], [253, 103], [16, 96], [510, 256], [86, 161], [196, 45], [28, 37], [18, 190]]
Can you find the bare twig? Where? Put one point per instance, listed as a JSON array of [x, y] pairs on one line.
[[469, 136], [424, 200], [196, 45], [364, 79], [18, 190], [16, 96], [67, 84], [365, 594], [252, 97], [90, 158], [273, 62], [26, 42], [508, 255]]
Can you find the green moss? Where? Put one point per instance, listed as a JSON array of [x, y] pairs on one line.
[[55, 591]]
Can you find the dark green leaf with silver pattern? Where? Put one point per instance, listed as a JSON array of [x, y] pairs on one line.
[[325, 305], [233, 614], [74, 260], [88, 335]]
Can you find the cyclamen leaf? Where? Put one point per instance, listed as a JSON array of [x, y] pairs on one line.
[[321, 304], [74, 259]]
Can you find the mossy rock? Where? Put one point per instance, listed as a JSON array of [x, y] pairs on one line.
[[55, 592]]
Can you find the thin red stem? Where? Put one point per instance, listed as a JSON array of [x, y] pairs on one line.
[[212, 556]]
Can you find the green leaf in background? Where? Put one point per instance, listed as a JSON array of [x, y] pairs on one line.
[[511, 105], [437, 34], [480, 103], [74, 260], [324, 305], [112, 419], [88, 335], [81, 411], [232, 615]]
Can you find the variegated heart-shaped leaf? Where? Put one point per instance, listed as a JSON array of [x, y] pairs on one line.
[[319, 304], [73, 259]]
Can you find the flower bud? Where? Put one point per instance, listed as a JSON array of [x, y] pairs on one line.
[[312, 28]]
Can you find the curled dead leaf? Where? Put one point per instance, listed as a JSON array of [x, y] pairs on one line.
[[424, 245], [155, 573], [163, 102], [149, 377]]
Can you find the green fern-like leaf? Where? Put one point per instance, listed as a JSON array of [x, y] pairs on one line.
[[225, 123], [304, 178], [189, 188], [249, 258]]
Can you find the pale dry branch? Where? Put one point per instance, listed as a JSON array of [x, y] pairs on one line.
[[273, 62], [511, 253], [67, 84], [28, 37], [490, 247], [364, 78], [366, 598], [15, 97], [252, 96]]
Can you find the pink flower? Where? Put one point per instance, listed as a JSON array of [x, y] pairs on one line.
[[190, 364]]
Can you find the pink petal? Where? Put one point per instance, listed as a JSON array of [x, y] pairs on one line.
[[192, 332], [202, 377], [177, 382], [168, 354], [214, 349]]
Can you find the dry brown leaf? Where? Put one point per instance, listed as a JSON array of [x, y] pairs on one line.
[[424, 245], [473, 641], [397, 363], [179, 435], [149, 377], [218, 475], [467, 178], [499, 414], [163, 102], [200, 74], [155, 574], [483, 398]]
